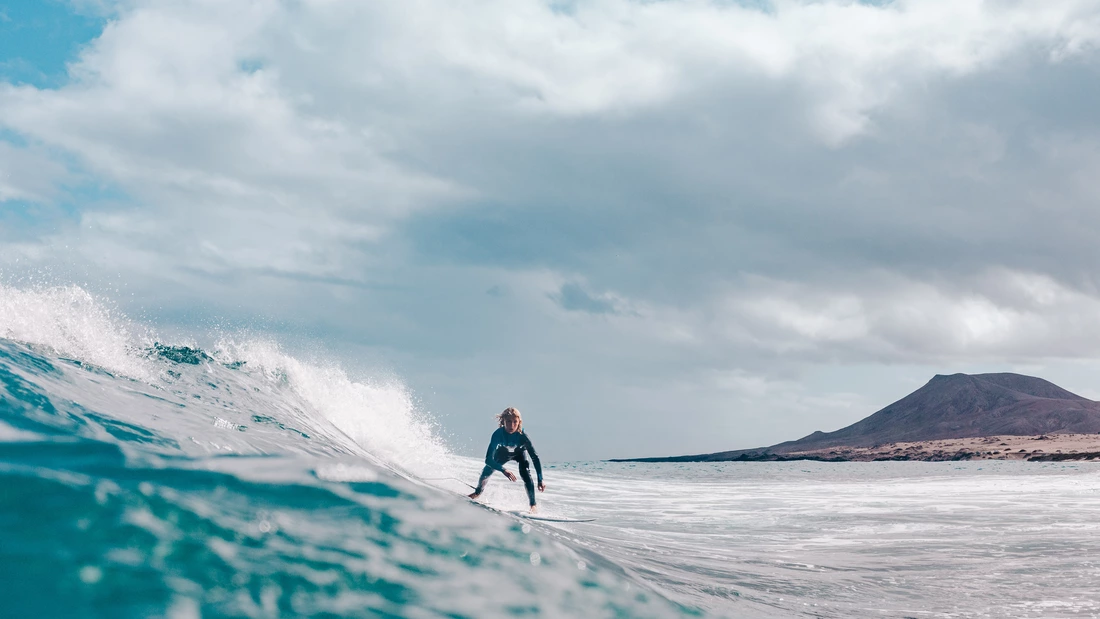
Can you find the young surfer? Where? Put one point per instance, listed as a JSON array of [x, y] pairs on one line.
[[510, 443]]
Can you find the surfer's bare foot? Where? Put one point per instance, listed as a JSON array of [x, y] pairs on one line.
[[534, 509], [474, 495]]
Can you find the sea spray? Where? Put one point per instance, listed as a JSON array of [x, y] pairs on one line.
[[72, 323], [379, 416], [141, 478]]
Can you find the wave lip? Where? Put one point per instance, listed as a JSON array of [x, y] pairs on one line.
[[212, 491], [376, 418], [238, 480], [73, 323]]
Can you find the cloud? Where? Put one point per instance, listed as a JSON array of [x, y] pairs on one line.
[[28, 174], [608, 193], [772, 330], [222, 157], [614, 56], [1004, 315], [572, 297]]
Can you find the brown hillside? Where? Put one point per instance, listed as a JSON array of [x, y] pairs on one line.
[[965, 406], [958, 406]]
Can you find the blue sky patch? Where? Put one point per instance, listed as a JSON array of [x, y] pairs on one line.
[[38, 39]]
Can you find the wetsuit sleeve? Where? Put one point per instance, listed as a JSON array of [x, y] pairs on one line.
[[534, 457], [490, 460]]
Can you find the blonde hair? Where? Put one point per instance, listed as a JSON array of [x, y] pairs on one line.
[[510, 413]]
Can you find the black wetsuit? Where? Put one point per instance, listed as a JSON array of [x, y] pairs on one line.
[[504, 447]]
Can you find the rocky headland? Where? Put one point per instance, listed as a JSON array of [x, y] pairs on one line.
[[1040, 448], [957, 417]]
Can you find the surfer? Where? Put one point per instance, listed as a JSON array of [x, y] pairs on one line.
[[508, 443]]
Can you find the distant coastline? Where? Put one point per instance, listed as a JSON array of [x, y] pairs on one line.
[[1000, 416], [1038, 448]]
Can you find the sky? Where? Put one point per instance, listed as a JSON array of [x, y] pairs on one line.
[[655, 227]]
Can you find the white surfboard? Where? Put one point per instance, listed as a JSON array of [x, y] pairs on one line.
[[545, 518], [517, 513]]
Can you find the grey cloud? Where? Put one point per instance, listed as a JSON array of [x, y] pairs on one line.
[[572, 297], [29, 174], [752, 195]]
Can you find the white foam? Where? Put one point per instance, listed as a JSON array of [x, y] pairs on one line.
[[346, 472], [74, 324], [380, 416], [10, 434]]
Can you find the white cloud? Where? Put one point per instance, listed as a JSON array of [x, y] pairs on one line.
[[612, 56], [217, 158], [692, 195], [999, 314], [259, 100], [767, 325], [29, 174]]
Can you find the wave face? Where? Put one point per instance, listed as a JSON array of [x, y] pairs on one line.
[[140, 478]]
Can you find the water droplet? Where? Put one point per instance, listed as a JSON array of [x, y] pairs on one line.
[[91, 574]]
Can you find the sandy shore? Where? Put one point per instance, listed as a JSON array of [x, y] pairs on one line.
[[1047, 447]]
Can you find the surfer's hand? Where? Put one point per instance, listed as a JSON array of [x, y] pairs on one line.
[[510, 475], [542, 487]]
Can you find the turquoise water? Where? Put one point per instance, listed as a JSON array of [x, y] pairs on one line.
[[142, 479]]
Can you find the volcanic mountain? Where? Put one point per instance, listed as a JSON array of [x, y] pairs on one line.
[[950, 407], [965, 406]]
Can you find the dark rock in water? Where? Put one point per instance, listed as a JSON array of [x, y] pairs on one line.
[[1058, 457]]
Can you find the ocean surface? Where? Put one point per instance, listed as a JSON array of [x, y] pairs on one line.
[[145, 478]]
